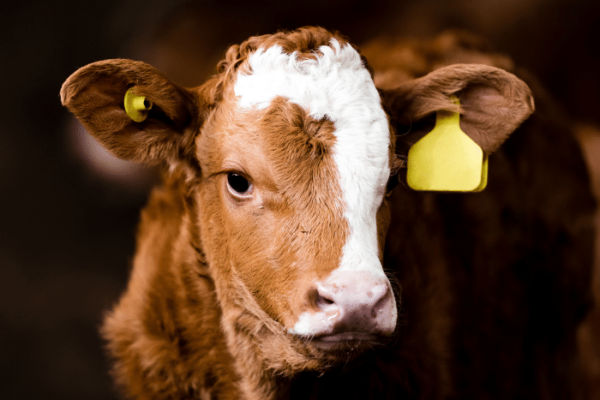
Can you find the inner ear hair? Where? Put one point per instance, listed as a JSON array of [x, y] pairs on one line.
[[485, 109]]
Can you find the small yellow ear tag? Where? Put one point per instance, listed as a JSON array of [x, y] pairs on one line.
[[446, 159], [136, 107]]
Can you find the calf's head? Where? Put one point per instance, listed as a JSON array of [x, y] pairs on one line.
[[288, 152]]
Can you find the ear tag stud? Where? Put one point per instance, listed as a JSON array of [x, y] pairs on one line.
[[446, 159], [136, 107]]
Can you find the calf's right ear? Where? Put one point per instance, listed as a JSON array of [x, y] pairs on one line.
[[493, 102], [95, 94], [477, 107]]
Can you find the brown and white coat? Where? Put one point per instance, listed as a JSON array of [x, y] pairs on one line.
[[260, 264]]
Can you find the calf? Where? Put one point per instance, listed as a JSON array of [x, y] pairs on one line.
[[261, 264]]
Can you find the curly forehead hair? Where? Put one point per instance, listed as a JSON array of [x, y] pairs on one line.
[[304, 41]]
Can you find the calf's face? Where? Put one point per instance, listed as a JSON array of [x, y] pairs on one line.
[[295, 163], [288, 154]]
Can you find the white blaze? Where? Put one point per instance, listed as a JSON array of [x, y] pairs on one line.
[[338, 86]]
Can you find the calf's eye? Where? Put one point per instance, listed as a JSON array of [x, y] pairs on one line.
[[238, 184]]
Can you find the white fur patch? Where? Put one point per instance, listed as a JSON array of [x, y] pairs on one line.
[[338, 86]]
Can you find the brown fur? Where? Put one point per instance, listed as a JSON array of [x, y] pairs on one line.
[[217, 279]]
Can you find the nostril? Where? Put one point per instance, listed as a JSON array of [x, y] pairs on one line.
[[323, 301], [324, 297], [358, 301]]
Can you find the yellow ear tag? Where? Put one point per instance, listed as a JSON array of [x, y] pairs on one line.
[[446, 159], [136, 107]]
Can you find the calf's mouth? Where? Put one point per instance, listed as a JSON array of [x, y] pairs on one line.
[[346, 340]]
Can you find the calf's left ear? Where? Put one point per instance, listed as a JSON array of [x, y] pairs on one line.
[[158, 128], [492, 102]]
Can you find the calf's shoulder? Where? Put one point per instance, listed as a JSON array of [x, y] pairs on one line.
[[164, 334]]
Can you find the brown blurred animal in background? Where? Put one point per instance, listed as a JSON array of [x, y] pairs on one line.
[[261, 259], [397, 60]]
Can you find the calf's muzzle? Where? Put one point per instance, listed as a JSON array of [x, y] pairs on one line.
[[350, 305]]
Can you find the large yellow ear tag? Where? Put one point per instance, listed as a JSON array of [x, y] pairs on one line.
[[136, 107], [446, 159]]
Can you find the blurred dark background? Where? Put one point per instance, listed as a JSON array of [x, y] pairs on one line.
[[68, 211]]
